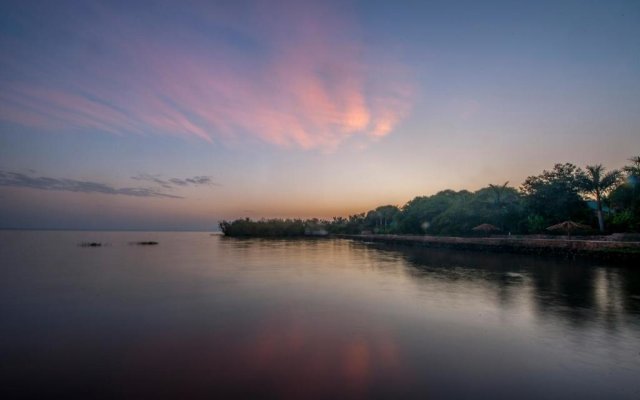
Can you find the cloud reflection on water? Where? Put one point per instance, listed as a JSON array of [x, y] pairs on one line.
[[297, 356]]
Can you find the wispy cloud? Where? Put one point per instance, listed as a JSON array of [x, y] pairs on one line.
[[170, 183], [17, 179], [291, 74]]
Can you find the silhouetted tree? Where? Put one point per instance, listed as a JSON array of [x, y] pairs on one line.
[[554, 196], [417, 215], [543, 200], [505, 206], [625, 199], [499, 192], [382, 218], [633, 169], [595, 181]]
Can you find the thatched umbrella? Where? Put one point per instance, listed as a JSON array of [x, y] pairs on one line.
[[486, 228], [568, 226]]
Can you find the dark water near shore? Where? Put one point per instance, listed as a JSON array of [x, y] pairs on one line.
[[202, 316]]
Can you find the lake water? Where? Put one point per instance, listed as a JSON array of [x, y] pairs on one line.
[[201, 316]]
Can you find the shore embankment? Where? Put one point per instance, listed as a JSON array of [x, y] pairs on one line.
[[567, 247]]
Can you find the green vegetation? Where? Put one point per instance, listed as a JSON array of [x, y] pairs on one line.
[[274, 227], [271, 227], [606, 201], [597, 183]]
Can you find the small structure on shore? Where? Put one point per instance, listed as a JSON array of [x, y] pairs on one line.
[[486, 228], [569, 227]]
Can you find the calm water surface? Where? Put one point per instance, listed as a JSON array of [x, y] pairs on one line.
[[202, 316]]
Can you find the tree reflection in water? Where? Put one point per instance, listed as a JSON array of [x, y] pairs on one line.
[[578, 291]]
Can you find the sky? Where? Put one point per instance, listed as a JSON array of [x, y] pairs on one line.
[[178, 114]]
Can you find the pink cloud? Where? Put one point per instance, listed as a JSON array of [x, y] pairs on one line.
[[300, 80]]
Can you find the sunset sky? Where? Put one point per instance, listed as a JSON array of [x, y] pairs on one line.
[[177, 114]]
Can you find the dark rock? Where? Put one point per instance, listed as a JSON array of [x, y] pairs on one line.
[[90, 244]]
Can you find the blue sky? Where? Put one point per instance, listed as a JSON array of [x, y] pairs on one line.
[[300, 109]]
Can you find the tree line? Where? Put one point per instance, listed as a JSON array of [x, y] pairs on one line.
[[608, 201]]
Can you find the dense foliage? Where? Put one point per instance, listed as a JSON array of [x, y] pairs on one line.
[[271, 227], [608, 201]]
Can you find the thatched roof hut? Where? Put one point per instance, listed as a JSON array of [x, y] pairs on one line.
[[486, 228], [568, 227]]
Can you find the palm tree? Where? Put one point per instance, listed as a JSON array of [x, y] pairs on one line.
[[633, 175], [633, 170], [502, 197], [596, 182], [498, 191]]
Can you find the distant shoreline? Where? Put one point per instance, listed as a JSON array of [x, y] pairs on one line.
[[600, 249], [106, 230]]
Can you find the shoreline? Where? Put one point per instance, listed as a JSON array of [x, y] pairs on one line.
[[598, 249]]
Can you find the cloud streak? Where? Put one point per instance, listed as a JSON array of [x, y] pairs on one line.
[[17, 179], [171, 183], [289, 74]]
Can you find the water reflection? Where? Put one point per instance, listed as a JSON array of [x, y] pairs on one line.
[[207, 317], [577, 291], [288, 356]]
